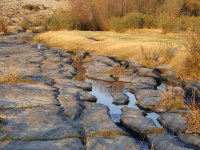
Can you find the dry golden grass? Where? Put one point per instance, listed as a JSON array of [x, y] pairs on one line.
[[193, 119], [172, 100], [11, 75], [187, 62], [122, 45], [119, 71]]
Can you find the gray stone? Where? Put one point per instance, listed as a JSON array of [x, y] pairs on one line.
[[65, 144], [176, 122], [115, 143], [165, 141], [81, 55], [192, 141], [135, 121], [26, 95], [96, 120], [85, 96], [103, 77], [146, 72], [147, 98], [38, 123], [136, 86], [71, 107], [120, 99]]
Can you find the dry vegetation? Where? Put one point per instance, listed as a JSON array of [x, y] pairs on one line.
[[3, 25], [173, 99], [193, 119], [119, 71], [122, 15], [10, 75]]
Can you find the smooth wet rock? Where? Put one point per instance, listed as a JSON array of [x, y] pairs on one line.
[[192, 141], [26, 95], [120, 99], [165, 141], [65, 144], [176, 122], [96, 119], [134, 120], [38, 123], [115, 143]]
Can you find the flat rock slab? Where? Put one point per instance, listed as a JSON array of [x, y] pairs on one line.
[[135, 121], [116, 143], [147, 72], [96, 120], [120, 99], [38, 123], [165, 141], [147, 98], [72, 109], [26, 95], [190, 140], [67, 144], [176, 122]]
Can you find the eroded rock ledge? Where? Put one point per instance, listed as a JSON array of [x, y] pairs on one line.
[[51, 110]]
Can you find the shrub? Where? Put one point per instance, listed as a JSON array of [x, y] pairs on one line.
[[192, 61], [31, 7], [167, 23], [3, 25]]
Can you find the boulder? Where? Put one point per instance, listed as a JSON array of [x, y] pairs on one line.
[[147, 98], [38, 123], [120, 99], [26, 95], [190, 140], [115, 143], [134, 120], [165, 141], [65, 144], [176, 122], [96, 121]]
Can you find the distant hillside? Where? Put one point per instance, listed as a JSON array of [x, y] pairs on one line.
[[18, 10]]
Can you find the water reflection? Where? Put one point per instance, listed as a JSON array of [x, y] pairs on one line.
[[103, 90]]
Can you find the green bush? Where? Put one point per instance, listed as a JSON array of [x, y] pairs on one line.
[[133, 21], [63, 22]]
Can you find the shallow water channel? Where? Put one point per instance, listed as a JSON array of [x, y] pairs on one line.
[[103, 90]]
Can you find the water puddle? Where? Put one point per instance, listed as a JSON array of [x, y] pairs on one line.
[[102, 90]]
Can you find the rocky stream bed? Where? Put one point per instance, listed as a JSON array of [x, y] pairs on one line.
[[73, 104]]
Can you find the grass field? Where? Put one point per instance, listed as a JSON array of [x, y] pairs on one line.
[[122, 45]]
